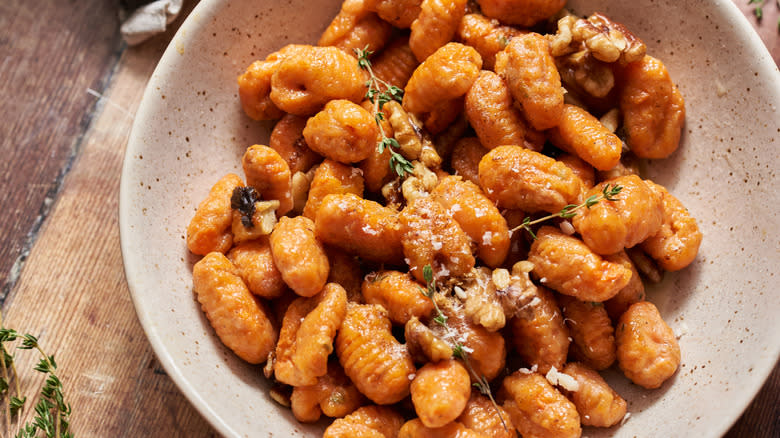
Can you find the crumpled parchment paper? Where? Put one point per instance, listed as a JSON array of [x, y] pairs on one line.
[[149, 20]]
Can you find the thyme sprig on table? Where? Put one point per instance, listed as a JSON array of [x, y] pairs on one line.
[[379, 93], [458, 349], [52, 413], [569, 211]]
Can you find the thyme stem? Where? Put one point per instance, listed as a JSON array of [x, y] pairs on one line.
[[570, 210], [398, 163]]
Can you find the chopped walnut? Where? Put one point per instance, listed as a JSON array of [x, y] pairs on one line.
[[420, 183], [581, 68], [263, 221], [406, 130], [392, 194], [609, 41], [281, 394], [517, 298], [300, 191], [583, 48], [645, 265], [423, 344], [611, 119], [482, 304]]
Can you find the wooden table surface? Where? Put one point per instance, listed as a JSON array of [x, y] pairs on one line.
[[68, 90]]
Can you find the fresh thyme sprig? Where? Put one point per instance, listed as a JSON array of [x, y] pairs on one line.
[[569, 211], [52, 413], [458, 349], [379, 93]]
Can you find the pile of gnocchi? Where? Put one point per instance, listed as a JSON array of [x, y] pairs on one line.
[[448, 233]]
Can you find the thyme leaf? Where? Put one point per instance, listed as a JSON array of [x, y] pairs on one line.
[[607, 193], [379, 93]]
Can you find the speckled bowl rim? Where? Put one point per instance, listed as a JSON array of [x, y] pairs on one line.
[[184, 37]]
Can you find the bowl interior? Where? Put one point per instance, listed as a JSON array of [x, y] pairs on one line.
[[190, 131]]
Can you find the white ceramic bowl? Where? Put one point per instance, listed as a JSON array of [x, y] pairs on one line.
[[190, 130]]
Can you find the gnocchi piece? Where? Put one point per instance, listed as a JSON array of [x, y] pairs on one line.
[[491, 112], [593, 338], [345, 270], [466, 154], [487, 350], [477, 216], [239, 318], [269, 174], [480, 415], [396, 63], [375, 168], [610, 226], [254, 85], [633, 292], [299, 256], [399, 13], [653, 109], [537, 409], [209, 229], [361, 227], [332, 177], [367, 422], [543, 339], [333, 395], [442, 115], [486, 35], [398, 293], [582, 134], [514, 177], [431, 237], [524, 13], [435, 26], [647, 350], [445, 75], [343, 131], [255, 265], [676, 244], [306, 338], [597, 403], [287, 140], [583, 170], [440, 392], [530, 72], [423, 344], [416, 429], [381, 367], [355, 27], [567, 265], [312, 76]]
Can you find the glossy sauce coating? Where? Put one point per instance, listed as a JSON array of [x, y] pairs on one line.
[[537, 409], [373, 359], [209, 228], [567, 265], [299, 256], [332, 177], [255, 265], [597, 403], [440, 392], [647, 350], [306, 337], [361, 227], [398, 293], [239, 318], [343, 131], [610, 226], [514, 177], [529, 70]]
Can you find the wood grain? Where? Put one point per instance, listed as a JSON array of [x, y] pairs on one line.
[[72, 292], [51, 52]]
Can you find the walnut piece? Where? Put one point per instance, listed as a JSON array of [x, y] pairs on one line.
[[584, 48], [423, 344]]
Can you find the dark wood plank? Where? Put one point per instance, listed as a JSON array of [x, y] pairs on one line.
[[51, 52], [72, 291]]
